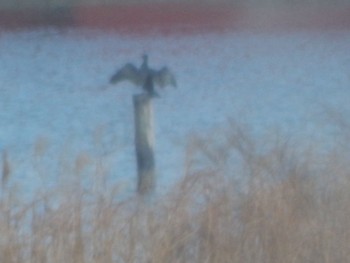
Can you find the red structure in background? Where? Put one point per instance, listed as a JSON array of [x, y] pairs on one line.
[[162, 16], [170, 17]]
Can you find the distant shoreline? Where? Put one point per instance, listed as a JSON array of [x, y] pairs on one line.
[[171, 17]]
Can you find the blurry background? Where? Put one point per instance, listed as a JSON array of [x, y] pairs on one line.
[[133, 13], [20, 4]]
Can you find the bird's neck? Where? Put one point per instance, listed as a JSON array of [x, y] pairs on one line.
[[145, 63]]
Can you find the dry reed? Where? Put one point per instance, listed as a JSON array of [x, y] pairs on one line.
[[243, 199]]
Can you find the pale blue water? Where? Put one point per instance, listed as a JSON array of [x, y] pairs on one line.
[[54, 94]]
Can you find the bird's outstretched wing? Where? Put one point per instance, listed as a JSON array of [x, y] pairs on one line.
[[164, 77], [128, 72]]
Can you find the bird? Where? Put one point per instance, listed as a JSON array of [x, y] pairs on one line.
[[145, 77]]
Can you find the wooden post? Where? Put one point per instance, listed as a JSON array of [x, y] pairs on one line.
[[144, 143]]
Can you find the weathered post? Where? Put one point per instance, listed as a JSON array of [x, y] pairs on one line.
[[144, 143]]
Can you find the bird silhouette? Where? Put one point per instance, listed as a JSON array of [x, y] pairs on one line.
[[145, 77]]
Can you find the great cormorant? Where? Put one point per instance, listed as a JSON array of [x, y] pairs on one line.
[[145, 77]]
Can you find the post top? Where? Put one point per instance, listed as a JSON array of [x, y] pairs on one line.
[[141, 97]]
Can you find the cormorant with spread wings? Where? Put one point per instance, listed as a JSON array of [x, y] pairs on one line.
[[145, 77]]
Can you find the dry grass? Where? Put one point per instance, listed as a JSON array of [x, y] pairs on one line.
[[243, 199]]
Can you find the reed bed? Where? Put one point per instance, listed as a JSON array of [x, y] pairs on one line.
[[243, 198]]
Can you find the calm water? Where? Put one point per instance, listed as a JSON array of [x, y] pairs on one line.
[[59, 117]]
